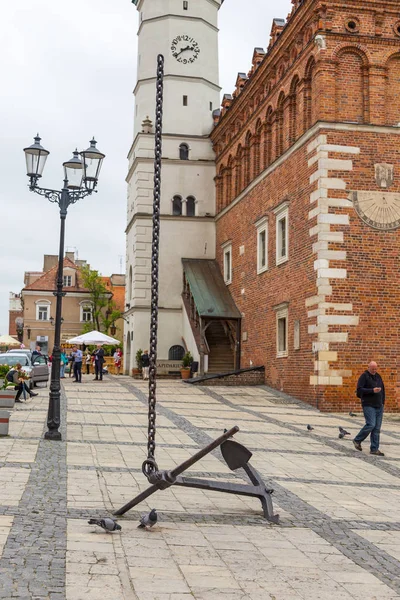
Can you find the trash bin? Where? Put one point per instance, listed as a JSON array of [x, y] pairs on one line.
[[194, 368]]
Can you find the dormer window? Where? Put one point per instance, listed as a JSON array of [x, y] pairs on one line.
[[67, 280], [184, 152]]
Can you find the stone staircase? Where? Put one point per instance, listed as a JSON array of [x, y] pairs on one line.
[[221, 358]]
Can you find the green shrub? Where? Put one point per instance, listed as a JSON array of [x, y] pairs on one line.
[[187, 360]]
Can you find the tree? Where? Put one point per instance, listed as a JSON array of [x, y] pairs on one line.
[[104, 310]]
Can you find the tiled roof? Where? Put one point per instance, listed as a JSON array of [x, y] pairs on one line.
[[48, 281]]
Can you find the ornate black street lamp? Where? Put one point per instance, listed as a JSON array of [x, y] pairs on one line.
[[80, 180]]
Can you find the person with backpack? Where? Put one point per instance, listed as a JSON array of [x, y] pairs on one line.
[[14, 376], [371, 391]]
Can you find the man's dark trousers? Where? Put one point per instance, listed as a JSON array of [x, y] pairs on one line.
[[78, 371], [373, 422], [98, 370]]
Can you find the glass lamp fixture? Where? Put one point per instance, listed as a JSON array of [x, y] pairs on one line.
[[73, 171], [92, 160], [35, 157]]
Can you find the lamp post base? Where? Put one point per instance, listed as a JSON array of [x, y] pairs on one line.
[[53, 434]]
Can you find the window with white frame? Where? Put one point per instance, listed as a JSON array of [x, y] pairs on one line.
[[86, 313], [282, 321], [262, 245], [67, 280], [282, 233], [227, 252], [43, 310]]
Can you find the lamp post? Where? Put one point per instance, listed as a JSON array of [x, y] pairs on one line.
[[80, 180]]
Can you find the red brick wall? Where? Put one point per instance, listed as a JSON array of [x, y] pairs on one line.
[[355, 79]]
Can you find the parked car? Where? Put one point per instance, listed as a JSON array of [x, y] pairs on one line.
[[37, 370]]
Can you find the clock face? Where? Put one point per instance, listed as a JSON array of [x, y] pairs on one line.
[[185, 49], [380, 210]]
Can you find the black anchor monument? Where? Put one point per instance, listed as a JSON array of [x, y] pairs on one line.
[[235, 455]]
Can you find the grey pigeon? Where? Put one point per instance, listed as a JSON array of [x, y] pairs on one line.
[[107, 524], [352, 414], [341, 436], [310, 428], [148, 520], [343, 431]]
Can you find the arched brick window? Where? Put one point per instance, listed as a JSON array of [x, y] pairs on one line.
[[351, 86], [239, 171], [177, 205], [293, 110], [228, 192], [257, 167], [279, 125], [247, 159], [392, 86], [308, 95], [268, 138]]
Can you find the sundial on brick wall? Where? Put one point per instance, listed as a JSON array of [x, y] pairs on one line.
[[379, 209]]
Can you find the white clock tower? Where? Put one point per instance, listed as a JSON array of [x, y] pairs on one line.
[[186, 33]]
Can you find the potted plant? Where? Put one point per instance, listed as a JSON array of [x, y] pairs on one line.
[[186, 364], [138, 359], [7, 389]]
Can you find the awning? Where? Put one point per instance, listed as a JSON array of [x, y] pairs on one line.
[[208, 288]]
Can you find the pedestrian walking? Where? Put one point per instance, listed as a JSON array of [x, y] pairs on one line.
[[145, 364], [98, 362], [77, 354], [371, 391], [88, 360], [117, 360]]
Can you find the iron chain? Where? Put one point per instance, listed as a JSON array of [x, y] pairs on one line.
[[149, 466]]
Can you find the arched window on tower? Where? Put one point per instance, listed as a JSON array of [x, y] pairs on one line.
[[184, 152], [177, 205], [190, 206]]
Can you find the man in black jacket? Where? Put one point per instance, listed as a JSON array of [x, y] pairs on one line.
[[371, 390], [98, 362]]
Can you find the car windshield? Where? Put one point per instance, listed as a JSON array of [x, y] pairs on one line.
[[12, 359]]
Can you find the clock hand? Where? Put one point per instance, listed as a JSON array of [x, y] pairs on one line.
[[184, 50]]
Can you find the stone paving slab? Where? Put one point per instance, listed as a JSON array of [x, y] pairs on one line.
[[340, 523]]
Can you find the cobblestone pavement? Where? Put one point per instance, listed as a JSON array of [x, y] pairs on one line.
[[339, 535]]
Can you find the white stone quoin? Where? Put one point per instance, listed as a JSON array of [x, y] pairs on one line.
[[191, 94], [323, 211]]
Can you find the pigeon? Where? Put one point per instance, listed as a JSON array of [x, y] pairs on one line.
[[310, 428], [341, 436], [352, 414], [343, 431], [148, 520], [107, 524]]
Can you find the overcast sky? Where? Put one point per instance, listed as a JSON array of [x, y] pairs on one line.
[[68, 71]]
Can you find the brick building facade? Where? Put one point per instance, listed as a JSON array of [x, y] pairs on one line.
[[308, 200]]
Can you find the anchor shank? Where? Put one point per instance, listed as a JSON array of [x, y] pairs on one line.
[[142, 496], [199, 455]]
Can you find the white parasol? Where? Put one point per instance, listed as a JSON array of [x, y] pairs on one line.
[[93, 337], [7, 340]]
